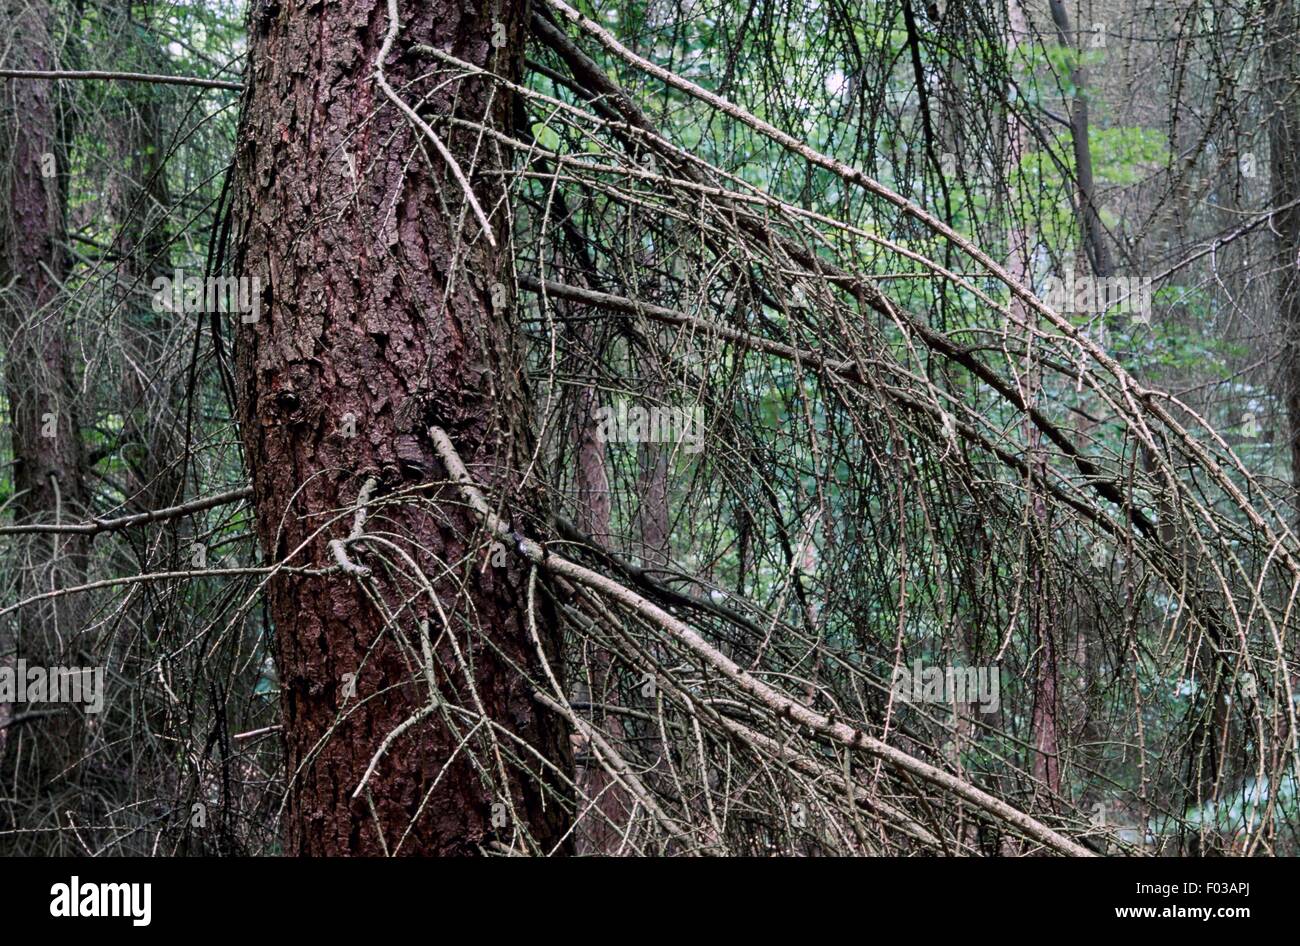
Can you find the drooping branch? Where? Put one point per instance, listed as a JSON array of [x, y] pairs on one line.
[[772, 699]]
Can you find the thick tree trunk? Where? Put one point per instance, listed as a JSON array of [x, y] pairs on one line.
[[385, 311]]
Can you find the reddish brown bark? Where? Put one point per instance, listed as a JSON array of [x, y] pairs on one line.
[[49, 461], [592, 480], [1044, 724], [379, 301], [1281, 63], [598, 832], [49, 475]]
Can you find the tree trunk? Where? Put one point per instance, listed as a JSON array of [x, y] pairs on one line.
[[385, 311], [137, 200], [1281, 66], [1090, 228], [1044, 719], [48, 473]]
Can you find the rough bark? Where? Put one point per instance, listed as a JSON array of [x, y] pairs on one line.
[[1281, 65], [48, 458], [49, 476], [380, 300]]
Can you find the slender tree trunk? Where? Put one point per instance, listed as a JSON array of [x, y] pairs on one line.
[[1044, 721], [384, 312], [598, 832], [1281, 72], [654, 519], [49, 472], [1090, 229], [137, 198]]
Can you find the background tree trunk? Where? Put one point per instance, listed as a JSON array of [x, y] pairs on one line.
[[1044, 729], [1282, 59], [49, 473]]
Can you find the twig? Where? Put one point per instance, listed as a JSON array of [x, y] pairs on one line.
[[96, 526], [424, 126], [120, 77]]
